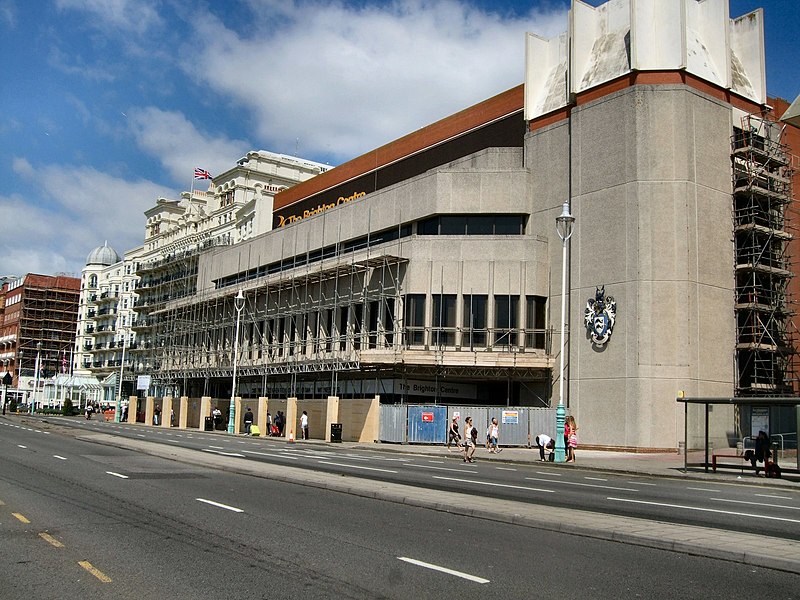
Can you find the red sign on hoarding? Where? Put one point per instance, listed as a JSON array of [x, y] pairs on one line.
[[427, 417]]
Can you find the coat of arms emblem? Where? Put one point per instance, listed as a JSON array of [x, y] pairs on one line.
[[599, 316]]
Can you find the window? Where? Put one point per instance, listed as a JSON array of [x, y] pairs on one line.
[[415, 319], [535, 311], [505, 320], [475, 320], [472, 225], [444, 319]]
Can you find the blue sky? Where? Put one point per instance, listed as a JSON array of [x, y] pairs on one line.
[[106, 105]]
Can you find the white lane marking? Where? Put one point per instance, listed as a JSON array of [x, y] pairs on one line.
[[503, 485], [173, 441], [461, 574], [120, 475], [440, 468], [505, 469], [325, 462], [436, 462], [595, 478], [592, 485], [641, 483], [59, 457], [272, 455], [550, 474], [219, 505], [223, 453], [756, 503], [776, 497], [217, 447], [140, 435], [703, 489], [21, 446], [700, 509]]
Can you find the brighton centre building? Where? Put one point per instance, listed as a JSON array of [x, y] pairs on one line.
[[637, 183]]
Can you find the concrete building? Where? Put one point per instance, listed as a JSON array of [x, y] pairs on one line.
[[428, 270]]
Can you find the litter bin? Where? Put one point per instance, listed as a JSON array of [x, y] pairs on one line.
[[336, 432], [209, 424]]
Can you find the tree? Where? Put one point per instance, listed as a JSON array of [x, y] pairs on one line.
[[66, 408]]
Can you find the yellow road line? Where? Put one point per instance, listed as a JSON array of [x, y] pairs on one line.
[[21, 517], [51, 540], [97, 573]]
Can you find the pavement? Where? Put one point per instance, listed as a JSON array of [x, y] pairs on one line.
[[745, 548]]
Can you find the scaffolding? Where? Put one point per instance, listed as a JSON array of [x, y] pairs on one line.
[[762, 192]]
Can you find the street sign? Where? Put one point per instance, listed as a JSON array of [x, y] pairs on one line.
[[143, 382], [7, 379], [427, 417]]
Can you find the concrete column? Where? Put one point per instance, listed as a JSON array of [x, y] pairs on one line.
[[372, 425], [205, 411], [149, 405], [133, 406], [291, 417], [263, 407], [331, 416], [183, 414], [239, 417], [166, 409]]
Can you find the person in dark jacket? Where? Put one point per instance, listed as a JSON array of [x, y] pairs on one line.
[[762, 451], [248, 420]]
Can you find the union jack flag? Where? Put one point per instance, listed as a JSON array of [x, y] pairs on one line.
[[201, 174]]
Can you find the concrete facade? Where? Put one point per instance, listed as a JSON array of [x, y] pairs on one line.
[[651, 193]]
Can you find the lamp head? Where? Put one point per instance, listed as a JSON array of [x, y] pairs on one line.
[[564, 222], [239, 300]]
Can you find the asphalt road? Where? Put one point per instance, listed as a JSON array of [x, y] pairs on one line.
[[733, 507], [79, 519]]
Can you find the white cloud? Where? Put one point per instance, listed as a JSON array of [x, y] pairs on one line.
[[77, 209], [344, 79], [180, 146], [127, 15]]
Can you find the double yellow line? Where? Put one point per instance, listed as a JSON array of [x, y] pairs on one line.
[[57, 544]]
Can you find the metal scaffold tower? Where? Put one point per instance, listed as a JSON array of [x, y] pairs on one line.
[[762, 191]]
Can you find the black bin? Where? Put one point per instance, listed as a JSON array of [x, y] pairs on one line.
[[336, 432], [209, 424]]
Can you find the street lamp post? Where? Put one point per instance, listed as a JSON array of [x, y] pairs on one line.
[[564, 223], [36, 375], [118, 406], [238, 303]]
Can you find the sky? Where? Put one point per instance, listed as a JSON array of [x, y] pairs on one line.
[[106, 105]]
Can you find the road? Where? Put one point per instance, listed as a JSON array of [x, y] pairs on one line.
[[733, 507], [79, 519]]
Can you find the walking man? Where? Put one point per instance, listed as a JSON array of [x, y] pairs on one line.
[[248, 420], [304, 424]]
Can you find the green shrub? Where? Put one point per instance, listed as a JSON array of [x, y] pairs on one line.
[[66, 408]]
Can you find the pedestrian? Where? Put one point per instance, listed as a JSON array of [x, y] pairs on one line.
[[304, 424], [248, 420], [171, 418], [89, 411], [572, 438], [125, 414], [762, 452], [545, 442], [494, 434], [269, 423], [470, 439], [217, 415], [156, 415], [280, 422], [452, 434]]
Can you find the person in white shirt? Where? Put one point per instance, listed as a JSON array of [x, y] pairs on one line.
[[544, 441], [304, 424], [494, 434]]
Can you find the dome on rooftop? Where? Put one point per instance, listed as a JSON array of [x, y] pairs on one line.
[[103, 255]]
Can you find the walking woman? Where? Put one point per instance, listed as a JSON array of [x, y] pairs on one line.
[[494, 433], [469, 440]]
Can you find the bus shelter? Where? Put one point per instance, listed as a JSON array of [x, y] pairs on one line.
[[718, 431]]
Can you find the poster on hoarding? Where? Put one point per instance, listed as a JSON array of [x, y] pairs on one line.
[[510, 417]]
